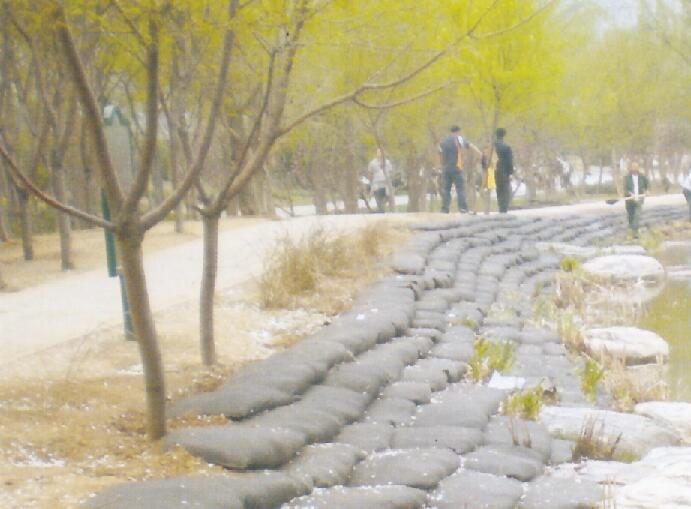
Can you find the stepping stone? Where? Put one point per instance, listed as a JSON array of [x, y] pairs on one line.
[[639, 434], [368, 437], [626, 269], [324, 465], [634, 345], [433, 334], [238, 446], [394, 411], [476, 490], [512, 461], [676, 414], [460, 440], [558, 493], [417, 468], [377, 497], [417, 392]]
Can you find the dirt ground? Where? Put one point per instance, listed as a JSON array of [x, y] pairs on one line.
[[88, 251], [76, 426]]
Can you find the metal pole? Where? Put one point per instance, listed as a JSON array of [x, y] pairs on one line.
[[113, 270]]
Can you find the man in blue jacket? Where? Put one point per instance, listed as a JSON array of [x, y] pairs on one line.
[[451, 161]]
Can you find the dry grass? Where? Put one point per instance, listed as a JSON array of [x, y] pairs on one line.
[[632, 385], [66, 432], [322, 270], [592, 443]]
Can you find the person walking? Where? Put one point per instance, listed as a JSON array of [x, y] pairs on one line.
[[379, 170], [635, 188], [503, 171], [451, 162], [686, 189]]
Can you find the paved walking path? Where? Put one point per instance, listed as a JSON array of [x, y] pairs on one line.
[[38, 318], [376, 410]]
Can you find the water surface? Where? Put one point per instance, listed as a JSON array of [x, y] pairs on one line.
[[669, 315]]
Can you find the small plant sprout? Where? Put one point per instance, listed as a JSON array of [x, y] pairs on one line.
[[489, 357], [525, 404], [590, 375], [569, 264]]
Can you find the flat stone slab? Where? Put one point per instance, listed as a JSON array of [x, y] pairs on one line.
[[512, 461], [476, 490], [456, 438], [586, 252], [661, 479], [676, 414], [626, 268], [639, 434], [238, 446], [417, 468], [556, 493], [369, 497], [634, 345]]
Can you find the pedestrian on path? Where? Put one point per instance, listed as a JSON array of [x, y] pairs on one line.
[[686, 188], [503, 171], [635, 189], [451, 162], [489, 163], [380, 169]]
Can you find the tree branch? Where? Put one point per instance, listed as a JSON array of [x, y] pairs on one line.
[[157, 214], [46, 198], [91, 110], [152, 70]]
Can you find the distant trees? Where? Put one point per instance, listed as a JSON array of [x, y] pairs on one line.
[[226, 97]]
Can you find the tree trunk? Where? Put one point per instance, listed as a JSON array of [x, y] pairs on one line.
[[129, 244], [58, 176], [25, 224], [4, 235], [208, 289], [174, 177], [316, 178]]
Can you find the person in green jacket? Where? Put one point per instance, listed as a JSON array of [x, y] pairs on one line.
[[635, 188]]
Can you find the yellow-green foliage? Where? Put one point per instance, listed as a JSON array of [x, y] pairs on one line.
[[489, 357], [525, 404], [569, 264], [591, 374]]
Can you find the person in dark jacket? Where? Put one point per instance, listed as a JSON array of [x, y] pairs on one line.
[[451, 161], [503, 171], [635, 188]]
